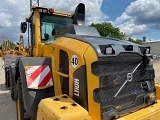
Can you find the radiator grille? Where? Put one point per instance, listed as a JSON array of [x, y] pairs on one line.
[[112, 72]]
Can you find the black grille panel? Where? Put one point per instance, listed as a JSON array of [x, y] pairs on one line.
[[112, 72], [122, 57]]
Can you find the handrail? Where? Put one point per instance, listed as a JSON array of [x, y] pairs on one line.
[[62, 74]]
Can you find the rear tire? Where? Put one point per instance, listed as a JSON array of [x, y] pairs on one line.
[[13, 90], [19, 103], [7, 78]]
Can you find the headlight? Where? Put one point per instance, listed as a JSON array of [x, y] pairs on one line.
[[109, 50]]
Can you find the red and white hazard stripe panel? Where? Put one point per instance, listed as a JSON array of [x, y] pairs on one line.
[[38, 76]]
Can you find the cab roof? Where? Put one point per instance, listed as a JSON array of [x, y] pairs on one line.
[[59, 13]]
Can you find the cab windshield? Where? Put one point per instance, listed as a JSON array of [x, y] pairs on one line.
[[51, 24]]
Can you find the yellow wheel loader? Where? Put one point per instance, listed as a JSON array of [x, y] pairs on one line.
[[6, 46], [20, 48], [75, 74]]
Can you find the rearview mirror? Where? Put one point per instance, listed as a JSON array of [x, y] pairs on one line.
[[23, 27]]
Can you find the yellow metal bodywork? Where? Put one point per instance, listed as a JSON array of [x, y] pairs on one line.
[[61, 108], [157, 90], [62, 44], [18, 109], [84, 51], [37, 36], [93, 82]]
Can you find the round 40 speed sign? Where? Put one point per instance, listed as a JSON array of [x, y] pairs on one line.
[[74, 61]]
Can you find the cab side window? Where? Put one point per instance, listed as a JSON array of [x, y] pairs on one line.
[[46, 30]]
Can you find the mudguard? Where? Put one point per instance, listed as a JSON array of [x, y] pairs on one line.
[[31, 96]]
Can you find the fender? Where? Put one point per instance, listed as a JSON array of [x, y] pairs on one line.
[[31, 96], [9, 67]]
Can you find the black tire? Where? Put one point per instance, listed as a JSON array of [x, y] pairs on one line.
[[13, 90], [19, 103], [13, 77], [7, 78]]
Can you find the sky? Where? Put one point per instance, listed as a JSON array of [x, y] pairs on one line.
[[136, 18]]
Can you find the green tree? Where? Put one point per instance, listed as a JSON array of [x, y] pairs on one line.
[[107, 30], [144, 38], [137, 41], [130, 39]]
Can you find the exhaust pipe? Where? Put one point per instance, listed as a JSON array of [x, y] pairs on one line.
[[79, 15]]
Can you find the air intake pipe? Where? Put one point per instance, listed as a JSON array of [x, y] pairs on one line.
[[79, 15]]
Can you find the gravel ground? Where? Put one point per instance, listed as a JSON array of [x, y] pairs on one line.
[[8, 106]]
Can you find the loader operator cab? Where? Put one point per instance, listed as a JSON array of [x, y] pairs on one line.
[[51, 24], [43, 24]]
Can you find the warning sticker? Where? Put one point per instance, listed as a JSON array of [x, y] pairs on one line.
[[38, 76]]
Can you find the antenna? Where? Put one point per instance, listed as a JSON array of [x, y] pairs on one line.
[[34, 3]]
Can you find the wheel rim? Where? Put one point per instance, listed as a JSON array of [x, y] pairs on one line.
[[18, 110]]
